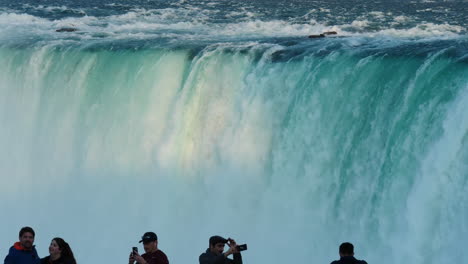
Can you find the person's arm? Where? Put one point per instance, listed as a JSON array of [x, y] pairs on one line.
[[131, 260], [140, 260], [37, 259], [237, 258], [233, 250]]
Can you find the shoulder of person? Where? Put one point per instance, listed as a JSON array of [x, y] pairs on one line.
[[205, 256], [362, 262], [335, 262], [161, 255], [68, 260], [12, 250], [164, 256]]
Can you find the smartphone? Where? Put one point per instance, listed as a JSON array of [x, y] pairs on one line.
[[241, 247], [134, 250]]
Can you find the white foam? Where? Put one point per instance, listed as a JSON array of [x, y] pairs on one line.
[[20, 19], [376, 13], [194, 23], [244, 14], [360, 24], [424, 10], [401, 19], [423, 31], [270, 28], [51, 9]]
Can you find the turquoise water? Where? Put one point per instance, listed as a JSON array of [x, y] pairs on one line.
[[199, 118]]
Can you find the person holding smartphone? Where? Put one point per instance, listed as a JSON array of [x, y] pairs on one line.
[[214, 254], [152, 254]]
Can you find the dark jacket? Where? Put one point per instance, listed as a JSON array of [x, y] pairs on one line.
[[209, 258], [349, 260], [60, 260], [19, 255], [157, 257]]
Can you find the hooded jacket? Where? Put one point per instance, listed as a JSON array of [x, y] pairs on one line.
[[209, 258], [349, 260], [20, 255]]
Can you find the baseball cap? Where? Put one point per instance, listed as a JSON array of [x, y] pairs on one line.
[[148, 237]]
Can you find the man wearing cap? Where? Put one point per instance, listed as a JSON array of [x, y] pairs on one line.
[[214, 254], [23, 252], [152, 255]]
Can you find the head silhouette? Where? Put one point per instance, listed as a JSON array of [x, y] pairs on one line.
[[346, 249]]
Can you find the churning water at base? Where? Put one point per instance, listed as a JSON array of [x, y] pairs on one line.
[[287, 144]]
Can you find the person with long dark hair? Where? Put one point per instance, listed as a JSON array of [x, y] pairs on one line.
[[60, 253]]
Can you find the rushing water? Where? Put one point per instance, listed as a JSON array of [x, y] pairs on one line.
[[195, 118]]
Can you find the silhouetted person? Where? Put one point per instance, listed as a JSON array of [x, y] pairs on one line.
[[214, 254], [347, 255], [24, 251]]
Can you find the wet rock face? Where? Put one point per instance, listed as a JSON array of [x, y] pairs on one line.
[[326, 33], [317, 36], [66, 30]]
